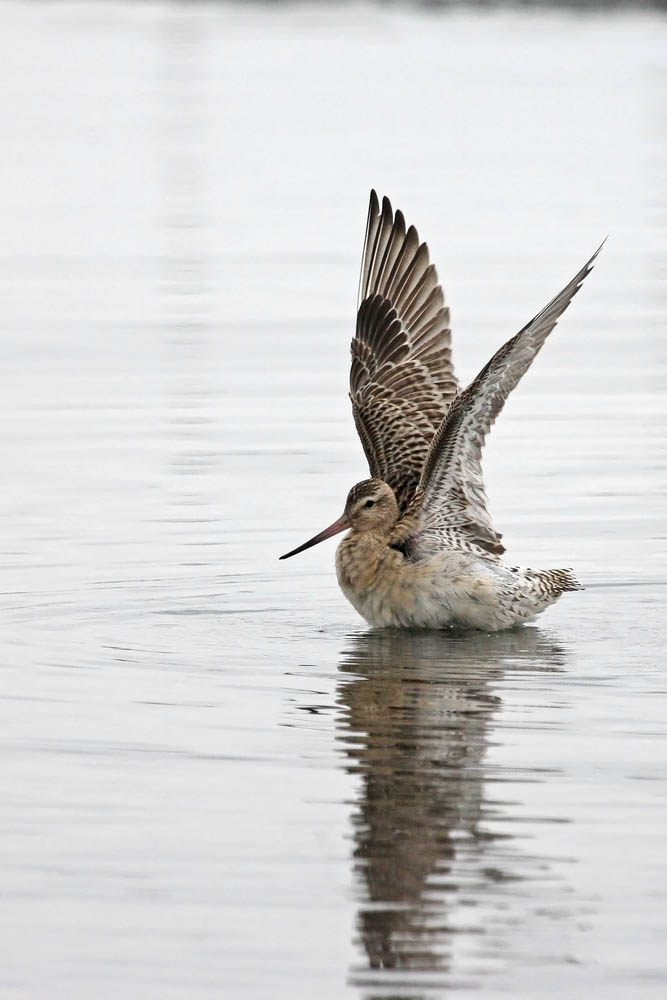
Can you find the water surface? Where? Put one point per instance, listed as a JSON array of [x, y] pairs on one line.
[[217, 781]]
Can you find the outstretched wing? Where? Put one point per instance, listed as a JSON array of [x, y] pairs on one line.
[[402, 378], [450, 508]]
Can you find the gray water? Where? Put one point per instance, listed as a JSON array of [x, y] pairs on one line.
[[216, 781]]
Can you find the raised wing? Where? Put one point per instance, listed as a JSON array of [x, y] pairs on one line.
[[402, 378], [450, 508]]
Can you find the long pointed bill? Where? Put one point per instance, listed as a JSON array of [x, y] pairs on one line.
[[334, 529]]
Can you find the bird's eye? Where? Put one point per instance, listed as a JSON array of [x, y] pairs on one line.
[[369, 503]]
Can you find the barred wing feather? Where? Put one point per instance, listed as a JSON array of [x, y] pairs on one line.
[[402, 377], [450, 508]]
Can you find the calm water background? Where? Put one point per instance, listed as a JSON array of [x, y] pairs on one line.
[[216, 781]]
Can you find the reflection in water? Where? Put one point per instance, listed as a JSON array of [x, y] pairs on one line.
[[417, 707]]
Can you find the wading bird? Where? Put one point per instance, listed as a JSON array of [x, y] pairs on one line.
[[422, 551]]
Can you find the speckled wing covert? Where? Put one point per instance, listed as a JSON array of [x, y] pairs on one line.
[[450, 507], [402, 378]]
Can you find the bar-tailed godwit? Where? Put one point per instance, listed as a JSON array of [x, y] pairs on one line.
[[422, 551]]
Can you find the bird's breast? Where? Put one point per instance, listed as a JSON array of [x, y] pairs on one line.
[[389, 590], [383, 586]]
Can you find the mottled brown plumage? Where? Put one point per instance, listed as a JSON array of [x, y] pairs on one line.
[[451, 500], [422, 550], [402, 377]]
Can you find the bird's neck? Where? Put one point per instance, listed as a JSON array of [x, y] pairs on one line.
[[360, 555]]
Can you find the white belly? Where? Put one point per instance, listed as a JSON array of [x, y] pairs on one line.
[[450, 589]]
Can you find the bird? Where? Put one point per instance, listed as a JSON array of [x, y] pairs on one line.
[[422, 551]]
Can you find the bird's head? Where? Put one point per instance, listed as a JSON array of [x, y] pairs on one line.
[[370, 506]]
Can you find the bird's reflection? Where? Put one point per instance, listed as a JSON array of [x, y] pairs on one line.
[[414, 720]]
